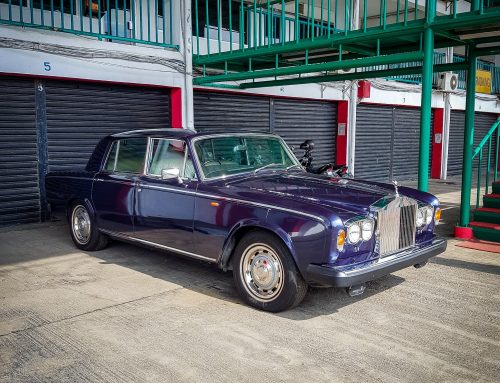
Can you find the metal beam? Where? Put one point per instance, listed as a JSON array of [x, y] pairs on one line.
[[334, 41], [312, 68], [353, 76]]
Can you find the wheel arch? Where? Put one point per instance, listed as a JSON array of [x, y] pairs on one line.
[[242, 229], [85, 201]]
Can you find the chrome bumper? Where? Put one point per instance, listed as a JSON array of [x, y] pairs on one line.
[[339, 277]]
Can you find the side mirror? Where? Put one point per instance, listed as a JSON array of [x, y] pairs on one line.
[[170, 173]]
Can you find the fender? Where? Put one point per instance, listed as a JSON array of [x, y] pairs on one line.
[[243, 226], [86, 202]]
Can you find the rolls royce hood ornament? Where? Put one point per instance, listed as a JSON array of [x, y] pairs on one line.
[[395, 183]]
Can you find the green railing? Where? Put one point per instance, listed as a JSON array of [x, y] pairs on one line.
[[241, 24], [147, 22], [490, 141]]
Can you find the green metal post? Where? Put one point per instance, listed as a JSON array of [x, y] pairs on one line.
[[470, 104], [426, 100], [474, 5]]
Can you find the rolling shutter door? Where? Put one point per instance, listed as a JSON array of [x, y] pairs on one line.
[[80, 114], [373, 142], [482, 124], [405, 148], [216, 112], [298, 120], [456, 142], [19, 189]]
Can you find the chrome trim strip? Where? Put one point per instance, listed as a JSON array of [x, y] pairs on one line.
[[229, 199], [143, 241]]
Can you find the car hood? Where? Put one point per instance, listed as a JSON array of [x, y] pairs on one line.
[[341, 194]]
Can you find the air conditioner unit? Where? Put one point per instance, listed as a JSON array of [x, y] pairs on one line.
[[448, 82]]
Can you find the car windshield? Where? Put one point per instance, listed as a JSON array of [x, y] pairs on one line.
[[228, 155]]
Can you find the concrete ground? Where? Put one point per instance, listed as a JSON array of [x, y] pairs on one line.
[[135, 315]]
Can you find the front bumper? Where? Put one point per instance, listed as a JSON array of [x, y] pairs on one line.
[[340, 277]]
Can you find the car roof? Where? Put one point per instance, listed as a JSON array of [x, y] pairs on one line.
[[177, 133]]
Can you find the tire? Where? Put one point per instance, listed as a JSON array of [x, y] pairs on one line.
[[265, 273], [83, 229]]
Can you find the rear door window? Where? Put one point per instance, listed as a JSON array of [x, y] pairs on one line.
[[127, 156]]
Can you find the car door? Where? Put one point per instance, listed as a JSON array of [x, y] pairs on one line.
[[164, 206], [113, 192]]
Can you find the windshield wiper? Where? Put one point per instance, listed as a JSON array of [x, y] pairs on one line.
[[293, 166], [265, 167]]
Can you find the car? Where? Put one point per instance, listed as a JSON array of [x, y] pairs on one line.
[[243, 202]]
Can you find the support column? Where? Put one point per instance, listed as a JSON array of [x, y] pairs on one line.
[[425, 111], [470, 104], [437, 143], [343, 134], [426, 101]]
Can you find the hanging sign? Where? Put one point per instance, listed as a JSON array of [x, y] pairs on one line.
[[483, 81]]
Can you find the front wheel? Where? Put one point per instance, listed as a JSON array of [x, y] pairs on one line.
[[265, 274], [83, 228]]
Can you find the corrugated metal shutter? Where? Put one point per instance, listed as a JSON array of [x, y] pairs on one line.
[[456, 142], [79, 114], [215, 112], [482, 124], [298, 120], [406, 143], [19, 189], [373, 142]]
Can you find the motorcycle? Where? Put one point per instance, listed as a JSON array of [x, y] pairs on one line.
[[327, 169]]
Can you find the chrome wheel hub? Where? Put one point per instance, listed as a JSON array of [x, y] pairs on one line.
[[262, 272], [80, 224]]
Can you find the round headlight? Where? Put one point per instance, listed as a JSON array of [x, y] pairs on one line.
[[367, 229], [428, 215], [420, 217], [354, 233]]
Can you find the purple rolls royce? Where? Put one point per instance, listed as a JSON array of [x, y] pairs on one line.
[[243, 202]]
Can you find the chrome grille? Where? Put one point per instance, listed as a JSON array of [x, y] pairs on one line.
[[396, 225]]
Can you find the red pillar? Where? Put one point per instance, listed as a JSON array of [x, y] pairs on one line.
[[176, 107], [437, 143], [341, 152]]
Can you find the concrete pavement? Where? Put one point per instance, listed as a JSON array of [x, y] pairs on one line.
[[127, 314]]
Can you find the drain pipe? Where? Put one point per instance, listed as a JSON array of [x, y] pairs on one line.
[[353, 101], [446, 122]]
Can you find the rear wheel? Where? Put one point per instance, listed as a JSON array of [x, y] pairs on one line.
[[265, 274], [84, 231]]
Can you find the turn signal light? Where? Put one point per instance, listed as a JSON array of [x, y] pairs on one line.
[[341, 240], [437, 215]]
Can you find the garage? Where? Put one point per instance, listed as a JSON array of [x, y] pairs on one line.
[[387, 142], [19, 189], [482, 124], [60, 122], [293, 119]]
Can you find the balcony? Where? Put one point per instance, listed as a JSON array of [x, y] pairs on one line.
[[145, 22]]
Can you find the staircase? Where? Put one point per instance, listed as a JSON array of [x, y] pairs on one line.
[[486, 224]]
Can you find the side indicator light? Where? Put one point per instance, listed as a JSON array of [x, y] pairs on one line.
[[437, 215], [214, 204], [340, 240]]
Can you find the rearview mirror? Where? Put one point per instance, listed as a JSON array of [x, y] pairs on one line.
[[170, 173]]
